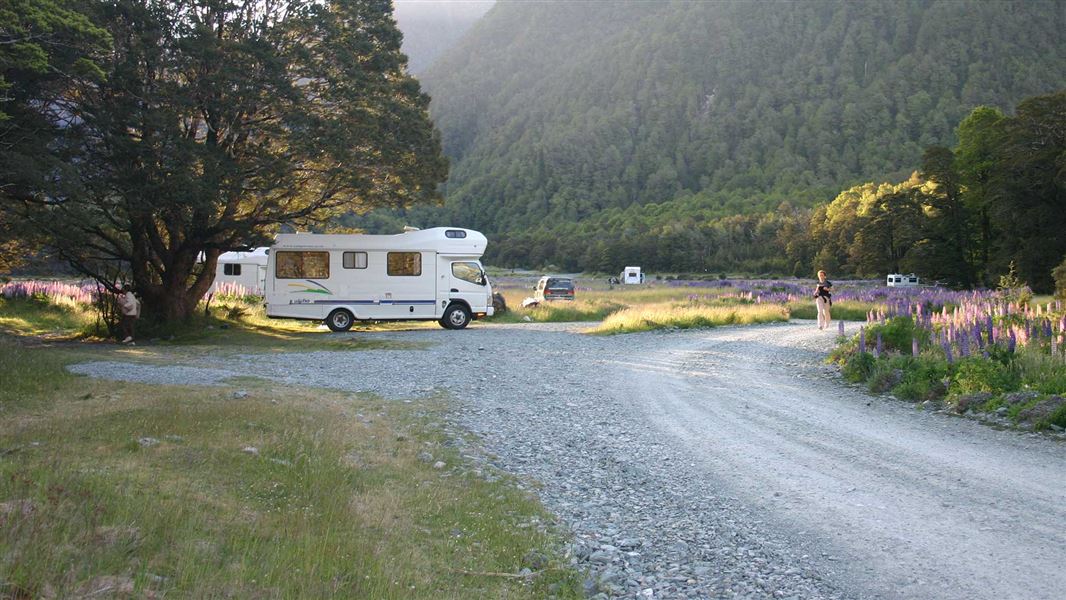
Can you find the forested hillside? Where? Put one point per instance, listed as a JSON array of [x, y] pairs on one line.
[[555, 114]]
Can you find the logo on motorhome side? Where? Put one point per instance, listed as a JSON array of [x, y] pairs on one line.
[[307, 289]]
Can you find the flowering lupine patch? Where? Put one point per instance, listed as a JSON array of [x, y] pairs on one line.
[[235, 291], [976, 323], [56, 292]]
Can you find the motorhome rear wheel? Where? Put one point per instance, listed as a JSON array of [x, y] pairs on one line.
[[339, 320]]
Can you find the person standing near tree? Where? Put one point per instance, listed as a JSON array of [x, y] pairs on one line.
[[129, 310], [823, 300]]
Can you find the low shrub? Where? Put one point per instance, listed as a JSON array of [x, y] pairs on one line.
[[858, 367], [897, 334], [976, 374], [884, 377], [925, 379], [1041, 372]]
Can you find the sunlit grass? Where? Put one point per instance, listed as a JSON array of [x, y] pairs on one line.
[[44, 318], [645, 318], [843, 310], [233, 324], [155, 489]]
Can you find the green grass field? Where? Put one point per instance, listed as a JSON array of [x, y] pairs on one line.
[[117, 489]]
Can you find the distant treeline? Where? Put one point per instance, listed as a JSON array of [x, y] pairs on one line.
[[965, 214]]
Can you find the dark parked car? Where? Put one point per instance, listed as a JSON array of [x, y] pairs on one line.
[[553, 288]]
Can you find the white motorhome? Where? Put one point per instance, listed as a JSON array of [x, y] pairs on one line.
[[901, 280], [430, 274], [247, 269], [632, 275]]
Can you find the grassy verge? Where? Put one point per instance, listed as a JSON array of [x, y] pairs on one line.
[[1025, 387], [559, 312], [42, 318], [115, 489], [630, 320], [235, 325], [844, 310]]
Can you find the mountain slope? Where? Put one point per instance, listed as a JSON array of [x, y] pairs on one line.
[[552, 112]]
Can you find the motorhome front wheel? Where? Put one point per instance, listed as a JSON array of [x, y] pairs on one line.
[[339, 320], [456, 317]]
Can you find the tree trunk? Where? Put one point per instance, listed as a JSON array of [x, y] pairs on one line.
[[181, 289]]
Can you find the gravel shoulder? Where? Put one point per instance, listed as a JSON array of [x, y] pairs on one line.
[[722, 463]]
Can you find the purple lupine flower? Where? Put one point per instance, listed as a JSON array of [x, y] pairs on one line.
[[1012, 341], [964, 343], [880, 345], [947, 354]]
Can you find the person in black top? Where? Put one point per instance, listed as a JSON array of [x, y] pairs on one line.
[[823, 300]]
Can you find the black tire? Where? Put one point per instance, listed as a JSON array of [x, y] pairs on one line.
[[340, 320], [455, 316]]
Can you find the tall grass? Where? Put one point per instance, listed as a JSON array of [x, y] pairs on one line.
[[645, 318], [843, 310]]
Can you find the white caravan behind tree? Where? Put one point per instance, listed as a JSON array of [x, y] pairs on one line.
[[247, 269], [431, 274]]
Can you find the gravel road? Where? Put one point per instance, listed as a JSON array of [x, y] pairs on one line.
[[723, 463]]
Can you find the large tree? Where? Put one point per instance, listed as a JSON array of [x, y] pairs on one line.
[[46, 46], [1028, 182], [946, 251], [221, 120]]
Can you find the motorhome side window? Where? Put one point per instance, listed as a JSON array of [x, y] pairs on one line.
[[290, 264], [404, 264], [231, 269], [354, 260], [468, 271]]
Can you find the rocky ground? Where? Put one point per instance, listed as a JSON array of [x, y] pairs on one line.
[[722, 463]]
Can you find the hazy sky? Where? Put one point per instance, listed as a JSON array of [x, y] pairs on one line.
[[430, 27], [419, 6]]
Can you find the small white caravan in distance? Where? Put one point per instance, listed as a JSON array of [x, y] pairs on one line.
[[430, 274], [247, 269], [632, 275], [901, 280]]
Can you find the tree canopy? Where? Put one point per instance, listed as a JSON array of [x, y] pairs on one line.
[[217, 122]]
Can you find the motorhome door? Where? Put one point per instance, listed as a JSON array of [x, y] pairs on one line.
[[409, 290]]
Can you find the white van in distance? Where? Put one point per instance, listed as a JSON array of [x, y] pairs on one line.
[[901, 280], [430, 274], [632, 276]]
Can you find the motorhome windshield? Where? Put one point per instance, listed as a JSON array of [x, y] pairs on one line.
[[468, 271]]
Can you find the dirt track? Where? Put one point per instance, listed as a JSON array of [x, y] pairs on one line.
[[913, 505], [728, 462]]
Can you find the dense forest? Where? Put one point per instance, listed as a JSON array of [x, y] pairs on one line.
[[697, 136]]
